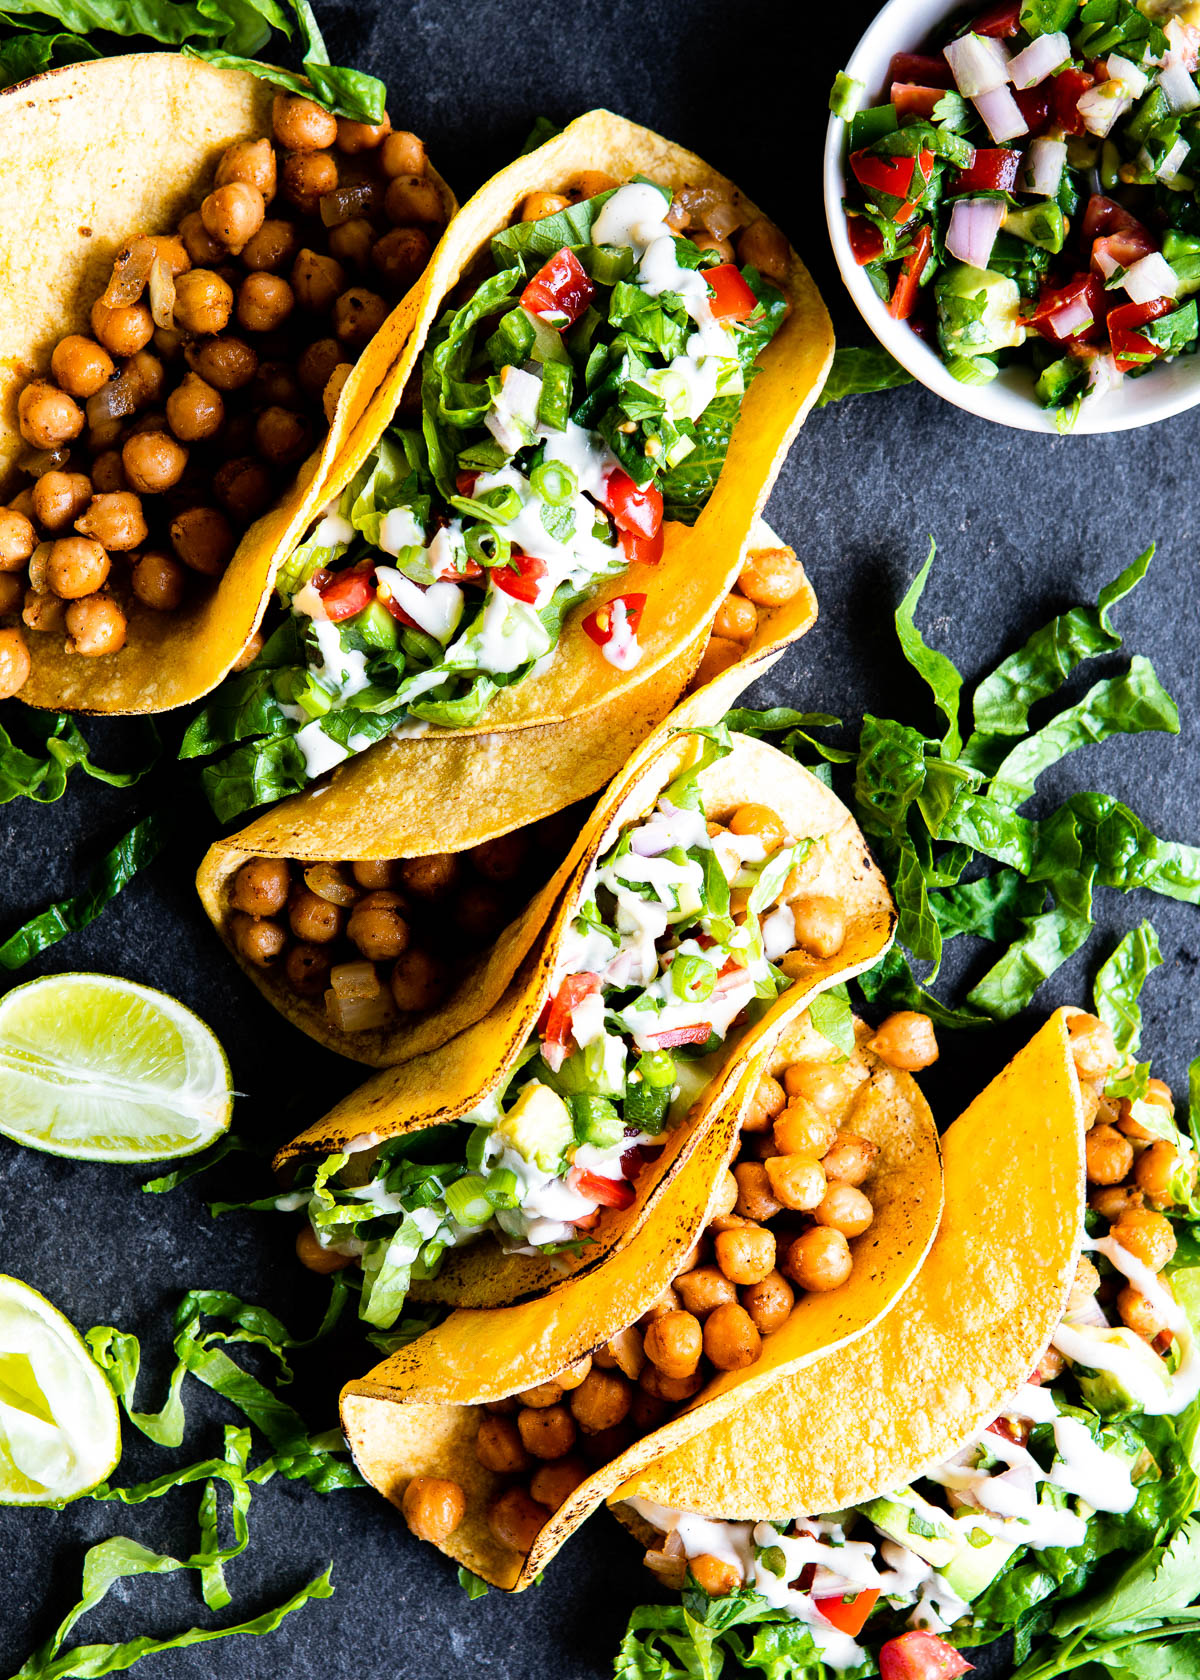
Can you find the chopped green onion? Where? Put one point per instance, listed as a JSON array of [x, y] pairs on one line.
[[554, 482], [973, 370], [477, 1147], [692, 979], [502, 1188], [467, 1200], [657, 1068], [847, 92], [487, 545]]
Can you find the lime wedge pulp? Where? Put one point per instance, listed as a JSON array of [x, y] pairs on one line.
[[101, 1069], [60, 1434]]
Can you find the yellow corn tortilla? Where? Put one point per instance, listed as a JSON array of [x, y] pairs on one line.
[[91, 154], [417, 1412], [446, 792], [451, 1082], [700, 562], [965, 1338]]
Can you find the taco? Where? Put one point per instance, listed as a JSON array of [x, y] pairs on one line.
[[552, 488], [1020, 1423], [498, 1432], [536, 1143], [192, 269], [296, 895]]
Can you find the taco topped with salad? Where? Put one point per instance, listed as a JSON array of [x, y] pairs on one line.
[[555, 484]]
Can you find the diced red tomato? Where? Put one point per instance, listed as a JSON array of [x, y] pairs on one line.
[[921, 1656], [908, 281], [698, 1034], [866, 241], [397, 611], [929, 69], [1035, 106], [998, 21], [1130, 350], [914, 99], [521, 577], [464, 482], [609, 1192], [1084, 288], [599, 624], [1104, 216], [646, 550], [883, 174], [992, 169], [1066, 90], [554, 1023], [1010, 1429], [639, 511], [732, 299], [848, 1614], [560, 287], [346, 593], [1121, 249]]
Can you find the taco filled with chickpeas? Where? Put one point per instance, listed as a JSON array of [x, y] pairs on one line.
[[799, 1220], [1017, 1435], [189, 293], [381, 934], [536, 1143], [549, 496]]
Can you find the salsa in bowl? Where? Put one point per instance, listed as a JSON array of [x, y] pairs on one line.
[[1012, 197]]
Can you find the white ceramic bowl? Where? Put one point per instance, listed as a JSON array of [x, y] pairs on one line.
[[902, 26]]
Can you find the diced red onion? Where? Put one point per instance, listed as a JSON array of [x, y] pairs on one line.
[[162, 295], [1041, 172], [1105, 262], [39, 562], [112, 401], [650, 840], [131, 270], [1001, 114], [1170, 166], [329, 883], [710, 207], [350, 1005], [1041, 58], [1150, 278], [1179, 85], [978, 64], [974, 224], [1072, 318], [1105, 377], [1123, 70], [1183, 43], [35, 462], [1101, 106], [344, 204]]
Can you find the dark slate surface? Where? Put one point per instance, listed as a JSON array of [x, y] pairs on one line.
[[1026, 526]]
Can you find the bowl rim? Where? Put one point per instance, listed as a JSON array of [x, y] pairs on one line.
[[1007, 400]]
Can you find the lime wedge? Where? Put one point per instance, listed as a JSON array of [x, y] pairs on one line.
[[60, 1434], [100, 1069]]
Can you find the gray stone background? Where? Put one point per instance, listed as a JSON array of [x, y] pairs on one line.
[[1026, 525]]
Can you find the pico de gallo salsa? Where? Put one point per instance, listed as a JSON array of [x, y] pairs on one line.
[[1027, 193]]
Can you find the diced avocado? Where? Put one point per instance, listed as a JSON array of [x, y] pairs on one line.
[[538, 1126], [596, 1071], [908, 1518], [1140, 1372], [1059, 383], [596, 1121], [1038, 224], [377, 627], [979, 1559], [691, 1079], [978, 311], [1182, 251]]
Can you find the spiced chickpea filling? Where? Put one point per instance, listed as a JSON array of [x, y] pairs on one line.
[[215, 360]]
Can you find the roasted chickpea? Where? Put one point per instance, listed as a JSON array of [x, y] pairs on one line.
[[820, 924], [232, 214], [377, 926], [203, 539], [538, 205], [227, 364], [203, 301], [849, 1158], [769, 1302], [18, 539], [715, 1576], [674, 1343], [480, 911], [703, 1289], [354, 137], [200, 245], [601, 1401], [625, 1352], [433, 1507], [767, 1102], [845, 1209], [259, 941], [574, 1374], [553, 1484], [251, 162], [145, 376], [745, 1254], [718, 656], [755, 1198], [59, 498], [544, 1394], [158, 580], [547, 1431], [44, 613], [1158, 1091], [771, 576], [76, 567], [264, 302], [710, 242], [403, 153], [195, 409], [47, 416], [736, 618], [1110, 1202], [276, 385], [724, 1196], [430, 875], [331, 396], [272, 248], [1049, 1366], [906, 1040], [244, 487], [353, 241], [153, 462], [1144, 1317], [80, 366], [498, 1445], [15, 662], [501, 859], [314, 919], [1158, 1166], [358, 315], [413, 199], [307, 969], [305, 179], [115, 519], [261, 886], [317, 280], [763, 247], [1148, 1236], [418, 980], [803, 1130], [589, 182], [301, 125], [819, 1083], [12, 593], [317, 363], [796, 1181], [1092, 1046], [760, 822], [1084, 1284], [731, 1338], [125, 330], [1109, 1156], [107, 472], [281, 436], [671, 1389], [401, 255], [819, 1259], [515, 1519], [315, 1257]]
